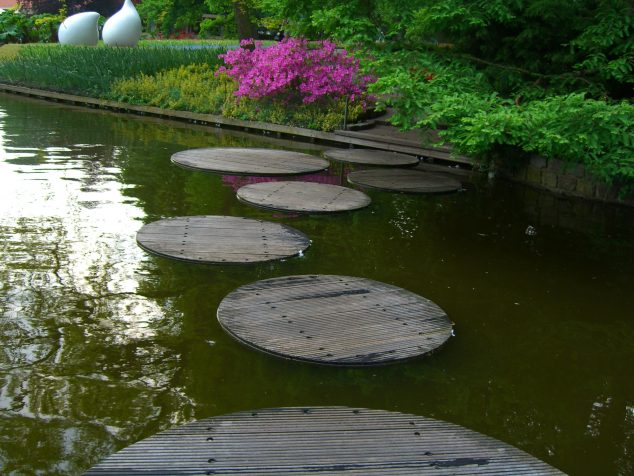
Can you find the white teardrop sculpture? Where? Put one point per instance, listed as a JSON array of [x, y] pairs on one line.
[[79, 29], [123, 28]]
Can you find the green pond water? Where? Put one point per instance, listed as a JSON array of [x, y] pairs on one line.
[[104, 344]]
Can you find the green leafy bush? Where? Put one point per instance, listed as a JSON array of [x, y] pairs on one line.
[[18, 27], [453, 97]]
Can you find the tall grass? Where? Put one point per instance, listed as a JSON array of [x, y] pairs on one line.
[[91, 71]]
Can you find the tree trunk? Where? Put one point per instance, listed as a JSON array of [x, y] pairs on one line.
[[244, 25]]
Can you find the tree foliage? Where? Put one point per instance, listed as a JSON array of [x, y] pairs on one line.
[[550, 77], [104, 7]]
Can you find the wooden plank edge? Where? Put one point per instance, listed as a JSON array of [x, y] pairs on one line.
[[247, 126]]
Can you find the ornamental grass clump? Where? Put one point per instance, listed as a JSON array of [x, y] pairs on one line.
[[295, 70]]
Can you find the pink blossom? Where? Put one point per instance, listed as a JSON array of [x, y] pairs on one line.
[[294, 68]]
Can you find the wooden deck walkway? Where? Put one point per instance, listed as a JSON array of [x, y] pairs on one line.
[[324, 441], [371, 157], [221, 239], [303, 197], [404, 180], [249, 161], [334, 320]]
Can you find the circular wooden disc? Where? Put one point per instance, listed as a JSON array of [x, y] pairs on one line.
[[321, 440], [337, 320], [398, 180], [306, 197], [241, 161], [371, 157], [221, 239]]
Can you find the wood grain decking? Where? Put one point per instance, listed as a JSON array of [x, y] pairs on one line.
[[404, 180], [304, 197], [221, 239], [249, 161], [371, 157], [321, 440], [335, 320]]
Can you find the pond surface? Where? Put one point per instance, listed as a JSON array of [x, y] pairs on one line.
[[104, 344]]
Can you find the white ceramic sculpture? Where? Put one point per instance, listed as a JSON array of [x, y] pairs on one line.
[[123, 28], [79, 29]]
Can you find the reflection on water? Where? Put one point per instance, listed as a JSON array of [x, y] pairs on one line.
[[103, 344]]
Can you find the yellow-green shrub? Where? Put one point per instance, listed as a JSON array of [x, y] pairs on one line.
[[196, 88], [191, 88]]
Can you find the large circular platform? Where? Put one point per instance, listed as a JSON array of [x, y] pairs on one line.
[[336, 320], [322, 441], [221, 239], [404, 180], [240, 161], [371, 157], [306, 197]]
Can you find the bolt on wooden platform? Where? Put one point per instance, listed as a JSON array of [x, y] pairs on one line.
[[321, 440], [304, 197], [249, 161], [221, 239], [400, 180], [371, 157], [335, 320]]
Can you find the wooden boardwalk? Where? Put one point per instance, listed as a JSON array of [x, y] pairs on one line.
[[304, 197], [321, 440], [404, 180], [335, 320], [247, 161], [221, 239], [371, 157]]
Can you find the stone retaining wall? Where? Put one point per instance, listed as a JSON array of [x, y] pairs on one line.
[[567, 179]]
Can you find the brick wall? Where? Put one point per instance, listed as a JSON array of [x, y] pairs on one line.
[[567, 179]]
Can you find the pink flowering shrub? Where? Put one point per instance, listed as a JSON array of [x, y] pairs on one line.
[[292, 69]]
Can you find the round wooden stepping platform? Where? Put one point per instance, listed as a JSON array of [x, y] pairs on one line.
[[324, 441], [336, 320], [308, 197], [240, 161], [221, 239], [399, 180], [371, 157]]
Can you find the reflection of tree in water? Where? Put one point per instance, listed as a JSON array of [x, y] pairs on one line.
[[86, 362]]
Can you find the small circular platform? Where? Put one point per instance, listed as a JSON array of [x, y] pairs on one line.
[[221, 239], [408, 181], [371, 157], [324, 441], [335, 320], [306, 197], [240, 161]]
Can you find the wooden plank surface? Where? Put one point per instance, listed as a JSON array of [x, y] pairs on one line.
[[334, 320], [404, 180], [305, 197], [249, 161], [371, 157], [407, 142], [221, 239], [321, 440]]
